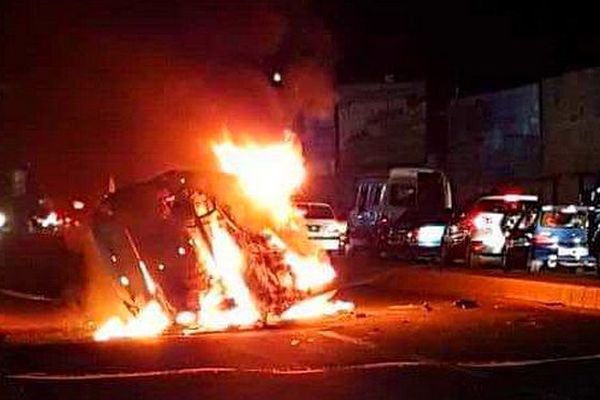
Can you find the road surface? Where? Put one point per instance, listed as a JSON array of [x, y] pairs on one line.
[[396, 345]]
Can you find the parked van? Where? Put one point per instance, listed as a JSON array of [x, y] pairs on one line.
[[382, 202]]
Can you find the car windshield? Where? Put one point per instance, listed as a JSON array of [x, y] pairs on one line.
[[315, 211], [402, 195], [559, 219]]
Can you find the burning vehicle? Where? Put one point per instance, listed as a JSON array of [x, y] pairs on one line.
[[180, 257]]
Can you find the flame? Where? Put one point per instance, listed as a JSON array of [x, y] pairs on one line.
[[269, 174], [151, 321], [225, 267], [310, 273], [247, 277], [317, 306]]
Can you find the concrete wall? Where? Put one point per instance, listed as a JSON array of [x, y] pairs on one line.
[[378, 126], [381, 125], [571, 128], [494, 141]]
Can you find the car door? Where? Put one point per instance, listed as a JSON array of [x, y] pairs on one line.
[[357, 221]]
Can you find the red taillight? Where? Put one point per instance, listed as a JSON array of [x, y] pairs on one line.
[[544, 240]]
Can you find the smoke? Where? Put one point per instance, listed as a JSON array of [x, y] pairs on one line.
[[131, 92]]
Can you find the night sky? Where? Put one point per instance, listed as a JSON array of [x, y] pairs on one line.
[[94, 88]]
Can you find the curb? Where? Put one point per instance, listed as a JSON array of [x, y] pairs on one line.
[[453, 283]]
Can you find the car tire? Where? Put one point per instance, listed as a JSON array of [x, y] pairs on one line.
[[534, 266], [445, 259], [507, 261], [511, 261], [473, 261]]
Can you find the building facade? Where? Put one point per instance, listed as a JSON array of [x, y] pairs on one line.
[[381, 125], [373, 127], [495, 143], [571, 129]]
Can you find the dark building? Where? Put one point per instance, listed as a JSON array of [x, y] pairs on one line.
[[495, 142], [375, 126], [571, 131]]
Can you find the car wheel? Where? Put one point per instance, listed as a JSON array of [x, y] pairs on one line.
[[379, 249], [507, 260], [445, 258], [512, 260], [535, 266], [473, 260]]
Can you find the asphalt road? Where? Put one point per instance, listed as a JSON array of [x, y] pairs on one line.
[[395, 345]]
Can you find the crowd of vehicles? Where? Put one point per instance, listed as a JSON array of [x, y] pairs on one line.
[[408, 213]]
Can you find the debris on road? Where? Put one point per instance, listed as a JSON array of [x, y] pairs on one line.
[[466, 304], [295, 342], [426, 306], [361, 315], [400, 307]]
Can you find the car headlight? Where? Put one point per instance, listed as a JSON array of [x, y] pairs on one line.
[[2, 219]]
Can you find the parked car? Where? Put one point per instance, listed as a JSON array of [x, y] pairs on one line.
[[323, 227], [479, 232], [384, 204], [416, 237], [550, 237]]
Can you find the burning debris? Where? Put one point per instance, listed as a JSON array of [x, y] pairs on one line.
[[179, 256]]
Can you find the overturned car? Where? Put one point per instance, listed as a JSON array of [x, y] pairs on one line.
[[179, 258]]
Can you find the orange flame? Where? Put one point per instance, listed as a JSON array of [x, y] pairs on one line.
[[225, 267], [268, 175], [151, 321], [316, 306]]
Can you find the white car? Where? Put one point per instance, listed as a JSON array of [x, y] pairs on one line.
[[480, 232], [323, 228]]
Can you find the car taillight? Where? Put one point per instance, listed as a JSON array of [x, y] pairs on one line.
[[480, 221], [544, 240]]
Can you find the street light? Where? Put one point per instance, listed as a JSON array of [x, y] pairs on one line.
[[277, 78]]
